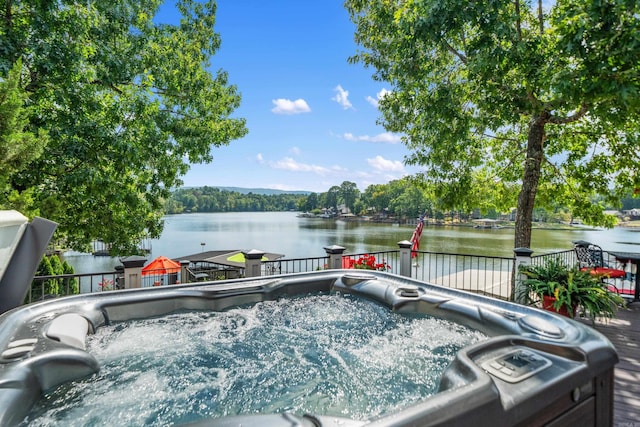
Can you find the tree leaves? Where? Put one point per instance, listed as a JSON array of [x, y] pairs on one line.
[[480, 88], [127, 104]]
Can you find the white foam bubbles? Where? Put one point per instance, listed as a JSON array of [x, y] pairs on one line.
[[321, 354]]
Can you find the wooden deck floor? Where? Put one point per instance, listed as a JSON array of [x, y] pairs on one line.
[[624, 334]]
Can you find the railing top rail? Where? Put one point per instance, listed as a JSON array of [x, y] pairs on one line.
[[72, 275], [465, 255], [566, 251], [294, 259]]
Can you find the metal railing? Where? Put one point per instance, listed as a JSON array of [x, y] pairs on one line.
[[480, 274], [567, 258], [294, 265], [487, 275], [44, 287]]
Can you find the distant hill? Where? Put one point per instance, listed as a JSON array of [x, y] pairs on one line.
[[264, 191]]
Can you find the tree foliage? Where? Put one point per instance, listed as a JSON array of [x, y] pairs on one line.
[[18, 145], [403, 198], [127, 104], [51, 265], [349, 193], [503, 94], [211, 199]]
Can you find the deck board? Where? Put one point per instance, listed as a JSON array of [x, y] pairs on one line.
[[624, 334]]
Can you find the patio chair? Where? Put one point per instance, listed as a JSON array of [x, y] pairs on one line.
[[590, 258]]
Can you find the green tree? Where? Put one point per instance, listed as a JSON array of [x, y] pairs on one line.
[[18, 145], [41, 289], [58, 269], [310, 202], [127, 103], [349, 193], [506, 91], [376, 196], [412, 202], [70, 286], [630, 203], [332, 197]]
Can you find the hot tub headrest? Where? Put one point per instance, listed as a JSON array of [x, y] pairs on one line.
[[70, 329]]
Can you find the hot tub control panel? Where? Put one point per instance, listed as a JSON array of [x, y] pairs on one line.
[[516, 365]]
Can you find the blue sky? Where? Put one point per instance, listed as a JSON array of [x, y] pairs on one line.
[[311, 116]]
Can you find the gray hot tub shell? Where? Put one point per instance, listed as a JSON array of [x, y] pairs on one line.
[[536, 368]]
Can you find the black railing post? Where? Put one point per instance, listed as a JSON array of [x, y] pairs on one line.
[[119, 279]]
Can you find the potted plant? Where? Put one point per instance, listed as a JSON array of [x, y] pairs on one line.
[[365, 262], [565, 290]]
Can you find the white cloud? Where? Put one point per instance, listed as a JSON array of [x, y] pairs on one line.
[[286, 106], [294, 151], [342, 97], [283, 187], [381, 164], [386, 137], [375, 101], [259, 158], [291, 165]]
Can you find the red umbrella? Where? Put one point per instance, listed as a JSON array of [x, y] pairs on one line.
[[161, 265]]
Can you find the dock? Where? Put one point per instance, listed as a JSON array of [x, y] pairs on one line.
[[101, 248]]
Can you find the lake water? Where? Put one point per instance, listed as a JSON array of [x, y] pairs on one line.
[[285, 233]]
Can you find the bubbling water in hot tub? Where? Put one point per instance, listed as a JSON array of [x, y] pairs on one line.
[[322, 354]]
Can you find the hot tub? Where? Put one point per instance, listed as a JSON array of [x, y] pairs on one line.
[[530, 368]]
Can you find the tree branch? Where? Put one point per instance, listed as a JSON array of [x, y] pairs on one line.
[[460, 55], [540, 17], [501, 138], [518, 24], [34, 79], [7, 15], [511, 161], [109, 85], [569, 119]]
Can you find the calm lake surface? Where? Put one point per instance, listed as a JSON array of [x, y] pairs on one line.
[[285, 233]]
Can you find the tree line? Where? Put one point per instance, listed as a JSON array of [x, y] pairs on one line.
[[403, 198], [212, 199]]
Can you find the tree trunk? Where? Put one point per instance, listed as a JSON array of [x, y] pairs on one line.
[[530, 179]]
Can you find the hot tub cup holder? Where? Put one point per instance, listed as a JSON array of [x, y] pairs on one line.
[[17, 349], [352, 279], [408, 291]]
